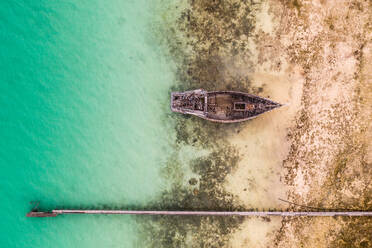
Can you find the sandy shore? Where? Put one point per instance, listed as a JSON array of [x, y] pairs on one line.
[[314, 56], [319, 54]]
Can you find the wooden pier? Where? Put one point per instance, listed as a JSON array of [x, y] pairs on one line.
[[57, 212]]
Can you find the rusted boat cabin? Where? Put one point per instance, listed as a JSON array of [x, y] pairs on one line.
[[221, 106]]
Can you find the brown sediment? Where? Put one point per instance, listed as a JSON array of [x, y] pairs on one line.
[[329, 142], [329, 163], [315, 56]]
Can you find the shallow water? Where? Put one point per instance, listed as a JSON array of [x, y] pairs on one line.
[[84, 94]]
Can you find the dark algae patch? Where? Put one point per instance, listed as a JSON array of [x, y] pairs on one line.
[[205, 37], [201, 192], [356, 232], [199, 41], [207, 194], [204, 193]]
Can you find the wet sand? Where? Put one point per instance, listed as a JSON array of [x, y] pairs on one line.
[[315, 57]]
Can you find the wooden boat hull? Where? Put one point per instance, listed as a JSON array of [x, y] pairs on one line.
[[221, 106]]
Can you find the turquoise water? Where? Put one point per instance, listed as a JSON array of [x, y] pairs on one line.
[[83, 106]]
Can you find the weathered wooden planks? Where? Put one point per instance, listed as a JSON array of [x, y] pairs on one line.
[[56, 212]]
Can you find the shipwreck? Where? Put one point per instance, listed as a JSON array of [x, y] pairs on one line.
[[221, 106]]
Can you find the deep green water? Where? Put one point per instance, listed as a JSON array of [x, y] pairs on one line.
[[83, 106]]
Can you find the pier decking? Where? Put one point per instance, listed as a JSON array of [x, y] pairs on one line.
[[57, 212]]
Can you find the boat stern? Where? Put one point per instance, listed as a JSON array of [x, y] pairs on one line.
[[189, 102], [175, 101]]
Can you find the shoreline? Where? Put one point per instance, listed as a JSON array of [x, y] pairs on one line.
[[296, 53]]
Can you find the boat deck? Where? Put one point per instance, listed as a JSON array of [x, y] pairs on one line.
[[226, 106], [221, 106]]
